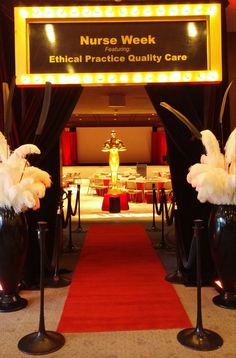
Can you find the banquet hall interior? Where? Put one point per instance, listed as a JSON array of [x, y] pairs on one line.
[[157, 210]]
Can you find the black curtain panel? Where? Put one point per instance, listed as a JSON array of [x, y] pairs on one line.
[[27, 106], [63, 101], [201, 105], [183, 151]]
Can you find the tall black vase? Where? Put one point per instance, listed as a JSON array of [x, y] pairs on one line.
[[13, 247], [222, 234]]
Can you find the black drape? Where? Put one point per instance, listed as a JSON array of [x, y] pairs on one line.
[[27, 105], [183, 151], [63, 101], [201, 105]]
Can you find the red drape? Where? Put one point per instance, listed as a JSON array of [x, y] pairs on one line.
[[159, 146], [69, 148]]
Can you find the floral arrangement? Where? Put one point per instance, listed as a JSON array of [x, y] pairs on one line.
[[21, 185], [214, 178]]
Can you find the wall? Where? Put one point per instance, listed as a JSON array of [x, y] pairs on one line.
[[136, 139]]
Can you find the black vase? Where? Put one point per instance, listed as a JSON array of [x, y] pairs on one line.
[[13, 247], [222, 234]]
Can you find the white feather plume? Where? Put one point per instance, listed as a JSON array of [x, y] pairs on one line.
[[213, 155], [216, 187], [213, 181], [197, 169], [24, 150], [39, 175], [21, 186], [4, 148], [230, 152]]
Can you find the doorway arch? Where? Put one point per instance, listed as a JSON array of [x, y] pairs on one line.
[[27, 103]]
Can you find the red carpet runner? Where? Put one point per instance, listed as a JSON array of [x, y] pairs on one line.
[[119, 285]]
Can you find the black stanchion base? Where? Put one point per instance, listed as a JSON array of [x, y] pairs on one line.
[[71, 249], [79, 230], [30, 287], [11, 303], [64, 271], [153, 228], [163, 246], [225, 300], [57, 282], [200, 340], [38, 343], [176, 277]]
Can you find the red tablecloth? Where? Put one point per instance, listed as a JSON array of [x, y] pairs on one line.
[[139, 197], [123, 201]]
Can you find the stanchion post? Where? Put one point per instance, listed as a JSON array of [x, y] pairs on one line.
[[79, 227], [177, 276], [42, 341], [56, 280], [153, 227], [70, 247], [163, 244], [199, 338]]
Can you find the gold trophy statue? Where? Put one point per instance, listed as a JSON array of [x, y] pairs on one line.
[[114, 146]]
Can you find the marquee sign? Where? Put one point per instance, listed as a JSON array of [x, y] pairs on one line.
[[92, 45]]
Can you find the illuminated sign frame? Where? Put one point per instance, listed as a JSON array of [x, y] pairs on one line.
[[210, 13]]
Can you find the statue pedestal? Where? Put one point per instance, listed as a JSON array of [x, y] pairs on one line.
[[114, 204], [106, 205]]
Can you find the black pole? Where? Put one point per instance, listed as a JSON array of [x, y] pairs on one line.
[[42, 341], [163, 244], [79, 221], [178, 275], [70, 244], [153, 227], [153, 208], [70, 248], [41, 236], [79, 227], [198, 227], [198, 338], [56, 280]]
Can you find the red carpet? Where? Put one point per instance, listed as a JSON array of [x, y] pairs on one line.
[[119, 285]]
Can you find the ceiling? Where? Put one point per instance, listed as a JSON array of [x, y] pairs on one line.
[[114, 105]]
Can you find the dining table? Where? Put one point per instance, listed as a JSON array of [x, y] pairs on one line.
[[133, 188], [144, 188]]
